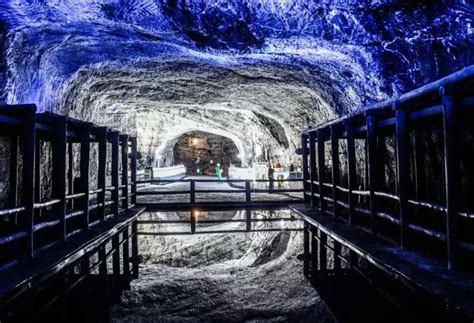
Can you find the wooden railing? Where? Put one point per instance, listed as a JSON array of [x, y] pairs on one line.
[[32, 223], [357, 141], [239, 187], [197, 217]]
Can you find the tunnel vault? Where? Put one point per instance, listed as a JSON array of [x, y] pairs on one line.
[[200, 152]]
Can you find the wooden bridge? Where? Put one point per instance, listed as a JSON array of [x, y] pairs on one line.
[[386, 194], [54, 236], [388, 190], [70, 212]]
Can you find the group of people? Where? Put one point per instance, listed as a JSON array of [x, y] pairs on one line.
[[271, 173], [277, 164]]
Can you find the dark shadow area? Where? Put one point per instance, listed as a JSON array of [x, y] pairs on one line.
[[352, 297]]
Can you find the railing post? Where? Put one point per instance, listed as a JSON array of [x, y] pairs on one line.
[[248, 219], [114, 139], [28, 174], [85, 167], [192, 193], [135, 249], [321, 171], [312, 167], [59, 173], [13, 192], [323, 240], [70, 173], [351, 166], [116, 257], [402, 171], [314, 253], [304, 156], [306, 253], [38, 178], [133, 165], [103, 261], [419, 155], [124, 139], [337, 255], [353, 259], [126, 258], [248, 193], [372, 168], [451, 168], [335, 166], [101, 176], [193, 220]]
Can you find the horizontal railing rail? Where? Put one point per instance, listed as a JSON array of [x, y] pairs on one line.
[[237, 190], [10, 211], [262, 223]]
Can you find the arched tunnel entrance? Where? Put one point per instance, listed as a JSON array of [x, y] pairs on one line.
[[200, 151]]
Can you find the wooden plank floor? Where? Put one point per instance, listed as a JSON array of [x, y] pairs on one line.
[[416, 271]]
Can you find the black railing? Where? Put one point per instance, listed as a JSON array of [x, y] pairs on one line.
[[268, 221], [274, 191], [43, 215], [353, 185]]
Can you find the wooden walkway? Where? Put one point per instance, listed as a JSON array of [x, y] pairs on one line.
[[393, 184], [440, 288]]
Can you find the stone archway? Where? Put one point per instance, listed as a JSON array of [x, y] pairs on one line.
[[200, 151]]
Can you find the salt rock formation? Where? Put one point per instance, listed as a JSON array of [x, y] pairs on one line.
[[243, 69]]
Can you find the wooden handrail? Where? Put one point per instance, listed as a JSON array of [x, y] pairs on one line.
[[10, 211], [46, 204]]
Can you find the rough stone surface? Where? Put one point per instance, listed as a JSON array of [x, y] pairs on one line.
[[270, 67]]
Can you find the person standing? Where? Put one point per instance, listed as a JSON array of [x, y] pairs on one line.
[[219, 172], [271, 175]]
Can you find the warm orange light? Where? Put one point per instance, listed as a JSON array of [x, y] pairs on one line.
[[198, 214], [195, 141]]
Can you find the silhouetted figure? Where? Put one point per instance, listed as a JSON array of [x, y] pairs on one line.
[[271, 174], [292, 167]]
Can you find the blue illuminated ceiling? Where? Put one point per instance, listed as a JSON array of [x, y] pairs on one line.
[[201, 63]]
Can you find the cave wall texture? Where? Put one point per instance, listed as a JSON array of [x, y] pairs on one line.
[[255, 71]]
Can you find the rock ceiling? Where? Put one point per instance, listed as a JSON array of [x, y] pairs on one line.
[[256, 71]]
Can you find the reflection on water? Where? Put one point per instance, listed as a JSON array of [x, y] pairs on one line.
[[232, 265], [206, 222]]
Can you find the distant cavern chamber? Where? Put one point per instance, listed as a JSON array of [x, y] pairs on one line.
[[200, 152]]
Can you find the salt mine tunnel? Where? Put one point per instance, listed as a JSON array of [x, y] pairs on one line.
[[236, 160]]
